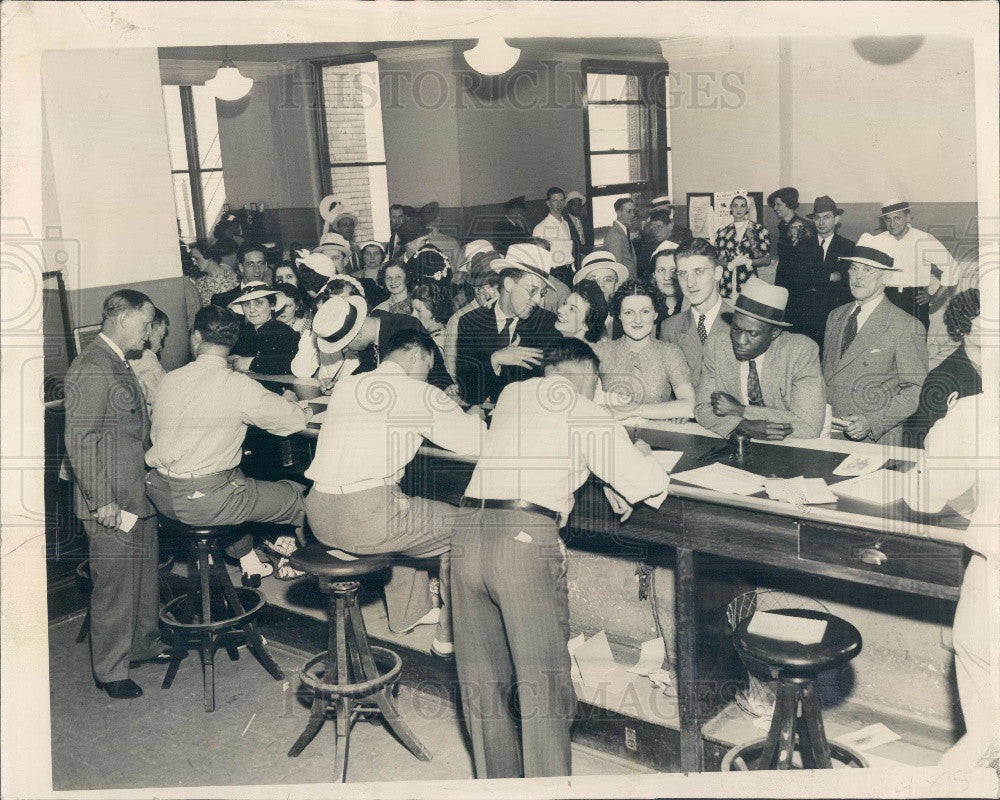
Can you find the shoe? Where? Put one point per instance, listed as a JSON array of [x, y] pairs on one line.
[[286, 572], [251, 581], [164, 658], [443, 649], [430, 618], [121, 690], [283, 546]]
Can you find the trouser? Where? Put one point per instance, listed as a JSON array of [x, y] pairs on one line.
[[974, 629], [124, 597], [511, 631], [905, 298], [385, 520], [227, 498]]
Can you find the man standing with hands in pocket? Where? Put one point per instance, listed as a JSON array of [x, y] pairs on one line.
[[107, 433]]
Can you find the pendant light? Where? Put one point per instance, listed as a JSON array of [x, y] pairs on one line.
[[492, 56], [229, 84]]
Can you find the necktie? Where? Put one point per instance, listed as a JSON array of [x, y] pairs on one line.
[[824, 244], [850, 330], [505, 333], [702, 332], [753, 386]]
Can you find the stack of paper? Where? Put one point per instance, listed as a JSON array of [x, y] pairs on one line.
[[800, 491], [858, 464], [723, 478], [880, 488], [667, 458], [593, 659], [317, 419], [787, 629]]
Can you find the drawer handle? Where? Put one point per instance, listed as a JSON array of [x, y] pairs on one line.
[[873, 556]]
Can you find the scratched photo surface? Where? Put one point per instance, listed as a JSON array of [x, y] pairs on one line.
[[729, 463]]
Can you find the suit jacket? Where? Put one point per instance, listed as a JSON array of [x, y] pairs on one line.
[[880, 374], [790, 381], [682, 331], [584, 244], [837, 292], [107, 432], [225, 298], [506, 233], [618, 243], [272, 347], [478, 339]]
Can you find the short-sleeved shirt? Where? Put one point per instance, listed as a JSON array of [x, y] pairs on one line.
[[650, 375]]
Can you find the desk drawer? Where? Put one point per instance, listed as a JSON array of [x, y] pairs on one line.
[[897, 556]]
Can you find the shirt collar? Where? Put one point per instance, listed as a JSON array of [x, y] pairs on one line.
[[502, 318], [211, 358], [113, 346], [390, 367], [710, 315], [871, 302]]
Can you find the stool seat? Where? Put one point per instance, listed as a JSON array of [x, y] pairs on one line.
[[177, 528], [841, 642], [315, 558]]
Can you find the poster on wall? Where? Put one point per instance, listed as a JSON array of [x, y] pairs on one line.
[[709, 211]]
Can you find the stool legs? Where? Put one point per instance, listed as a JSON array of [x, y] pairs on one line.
[[207, 650], [796, 711], [812, 737]]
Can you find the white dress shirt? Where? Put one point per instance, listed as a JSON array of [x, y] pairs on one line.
[[824, 243], [556, 232], [745, 376], [544, 441], [375, 423], [914, 254], [867, 307], [200, 416], [710, 316]]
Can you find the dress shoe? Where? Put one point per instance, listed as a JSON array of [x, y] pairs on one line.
[[442, 649], [164, 658], [121, 690]]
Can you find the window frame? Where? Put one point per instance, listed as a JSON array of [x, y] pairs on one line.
[[653, 79], [194, 169]]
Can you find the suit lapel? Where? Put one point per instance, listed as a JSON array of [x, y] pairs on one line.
[[869, 334]]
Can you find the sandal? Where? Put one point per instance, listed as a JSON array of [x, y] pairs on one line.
[[283, 546], [286, 572]]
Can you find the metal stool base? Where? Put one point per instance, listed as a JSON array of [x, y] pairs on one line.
[[745, 757]]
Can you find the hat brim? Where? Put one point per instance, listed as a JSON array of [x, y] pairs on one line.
[[836, 212], [869, 262], [737, 310], [502, 263], [254, 295], [585, 272], [338, 344]]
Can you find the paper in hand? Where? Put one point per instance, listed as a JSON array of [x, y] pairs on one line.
[[127, 520]]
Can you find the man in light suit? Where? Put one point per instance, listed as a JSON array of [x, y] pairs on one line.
[[699, 275], [618, 239], [763, 381], [107, 433], [874, 354]]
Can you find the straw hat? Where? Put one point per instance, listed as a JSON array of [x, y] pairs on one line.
[[338, 321]]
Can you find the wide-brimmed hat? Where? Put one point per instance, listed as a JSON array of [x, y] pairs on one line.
[[329, 207], [318, 262], [344, 213], [412, 228], [663, 201], [823, 204], [894, 204], [869, 251], [666, 246], [334, 241], [763, 301], [575, 195], [471, 249], [527, 257], [481, 267], [255, 290], [600, 259], [338, 321]]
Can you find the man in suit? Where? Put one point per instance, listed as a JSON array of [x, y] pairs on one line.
[[763, 381], [657, 230], [699, 274], [874, 354], [513, 227], [503, 343], [618, 239], [397, 216], [107, 433], [581, 231], [826, 218], [251, 264]]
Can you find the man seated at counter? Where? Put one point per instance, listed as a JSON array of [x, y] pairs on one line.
[[356, 504], [763, 380], [201, 412], [874, 354]]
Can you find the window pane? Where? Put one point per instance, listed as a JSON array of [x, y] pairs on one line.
[[603, 87], [206, 124], [353, 112], [213, 190], [624, 168], [175, 127], [185, 210], [365, 191], [609, 128], [604, 215]]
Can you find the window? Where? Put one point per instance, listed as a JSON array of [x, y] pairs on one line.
[[352, 150], [195, 158], [626, 136]]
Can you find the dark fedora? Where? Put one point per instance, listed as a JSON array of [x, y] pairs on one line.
[[824, 204]]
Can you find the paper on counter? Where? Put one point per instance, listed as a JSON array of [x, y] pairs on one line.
[[800, 491], [317, 419], [594, 660], [880, 488], [869, 737], [787, 629], [667, 458], [859, 464], [722, 478], [651, 657], [126, 520]]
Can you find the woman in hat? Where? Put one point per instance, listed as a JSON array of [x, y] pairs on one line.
[[743, 245], [265, 345], [800, 263], [584, 313], [372, 258], [642, 376]]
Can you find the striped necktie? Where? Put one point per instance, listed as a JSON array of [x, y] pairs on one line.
[[850, 330]]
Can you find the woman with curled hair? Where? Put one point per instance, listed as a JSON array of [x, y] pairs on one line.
[[959, 375], [295, 312], [584, 313], [396, 279], [642, 376]]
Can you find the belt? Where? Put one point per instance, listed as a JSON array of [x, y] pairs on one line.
[[360, 486], [186, 476], [520, 505]]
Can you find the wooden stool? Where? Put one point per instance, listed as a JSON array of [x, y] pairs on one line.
[[220, 616], [83, 574], [349, 675], [797, 721]]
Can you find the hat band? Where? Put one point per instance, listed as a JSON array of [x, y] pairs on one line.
[[895, 207], [349, 320], [595, 261], [744, 303], [871, 254], [533, 270]]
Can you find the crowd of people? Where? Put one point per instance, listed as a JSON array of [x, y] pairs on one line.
[[499, 350]]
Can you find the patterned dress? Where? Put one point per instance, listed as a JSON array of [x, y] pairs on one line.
[[402, 307], [755, 243], [222, 281]]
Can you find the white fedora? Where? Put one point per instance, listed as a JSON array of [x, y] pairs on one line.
[[338, 321], [255, 290], [529, 258], [868, 251], [600, 259], [763, 301]]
